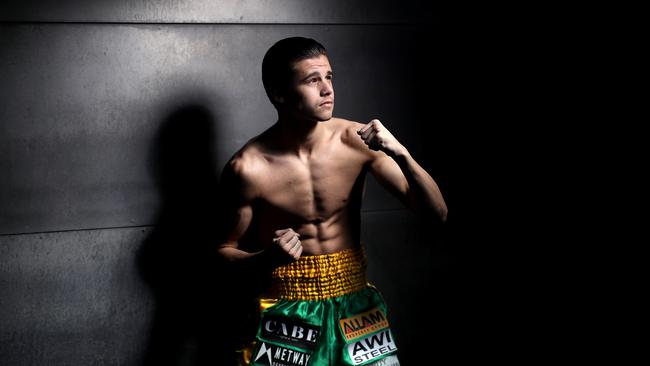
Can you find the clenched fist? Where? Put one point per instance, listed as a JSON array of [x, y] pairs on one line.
[[289, 242], [377, 137]]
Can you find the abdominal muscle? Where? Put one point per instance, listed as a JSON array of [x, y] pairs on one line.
[[325, 238], [332, 234]]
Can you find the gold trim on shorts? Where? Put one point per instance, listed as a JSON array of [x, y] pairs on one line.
[[321, 277]]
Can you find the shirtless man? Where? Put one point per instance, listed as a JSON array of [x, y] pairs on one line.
[[294, 196]]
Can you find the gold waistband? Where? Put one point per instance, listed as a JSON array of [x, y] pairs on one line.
[[321, 277]]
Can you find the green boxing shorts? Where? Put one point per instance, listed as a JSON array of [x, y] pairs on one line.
[[321, 311]]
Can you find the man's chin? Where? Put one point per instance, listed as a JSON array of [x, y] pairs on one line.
[[324, 118]]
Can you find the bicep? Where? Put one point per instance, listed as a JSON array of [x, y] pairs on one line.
[[237, 222], [236, 210]]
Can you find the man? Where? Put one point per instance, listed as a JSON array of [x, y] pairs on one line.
[[293, 210]]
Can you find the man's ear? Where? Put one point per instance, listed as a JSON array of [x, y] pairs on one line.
[[277, 98]]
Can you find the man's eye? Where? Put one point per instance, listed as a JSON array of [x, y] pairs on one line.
[[313, 80]]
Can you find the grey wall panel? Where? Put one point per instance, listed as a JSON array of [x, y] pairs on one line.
[[74, 298], [83, 107], [228, 11]]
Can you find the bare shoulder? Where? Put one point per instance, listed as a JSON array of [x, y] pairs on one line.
[[245, 166], [351, 138], [348, 131], [248, 158]]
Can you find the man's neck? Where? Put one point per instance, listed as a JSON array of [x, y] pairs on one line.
[[298, 136]]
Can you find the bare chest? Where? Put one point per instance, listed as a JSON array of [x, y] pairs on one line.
[[313, 189]]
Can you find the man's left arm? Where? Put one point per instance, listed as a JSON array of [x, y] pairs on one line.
[[396, 170]]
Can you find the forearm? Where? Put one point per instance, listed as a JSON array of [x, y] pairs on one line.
[[423, 191], [255, 260]]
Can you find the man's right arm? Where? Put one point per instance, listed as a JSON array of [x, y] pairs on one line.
[[237, 194], [239, 221]]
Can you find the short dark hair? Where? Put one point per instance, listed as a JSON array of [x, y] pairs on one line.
[[279, 59]]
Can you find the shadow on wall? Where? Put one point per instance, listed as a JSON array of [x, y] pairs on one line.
[[198, 312]]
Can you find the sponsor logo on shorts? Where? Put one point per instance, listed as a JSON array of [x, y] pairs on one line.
[[272, 355], [363, 324], [290, 331], [371, 347]]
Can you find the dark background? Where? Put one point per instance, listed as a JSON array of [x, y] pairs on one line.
[[116, 120]]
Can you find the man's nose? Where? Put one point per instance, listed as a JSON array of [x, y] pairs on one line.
[[327, 89]]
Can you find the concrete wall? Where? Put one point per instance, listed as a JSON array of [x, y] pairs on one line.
[[115, 121]]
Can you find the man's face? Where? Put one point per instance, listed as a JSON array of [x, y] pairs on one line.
[[311, 94]]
